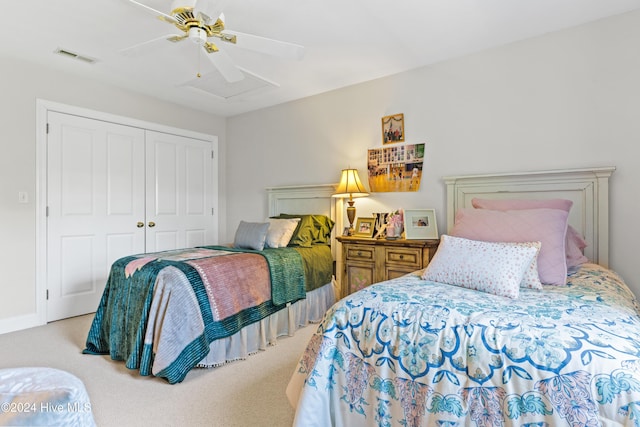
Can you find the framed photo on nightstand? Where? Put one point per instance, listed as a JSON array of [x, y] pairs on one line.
[[420, 224], [365, 227]]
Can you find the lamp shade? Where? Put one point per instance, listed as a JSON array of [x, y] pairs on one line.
[[350, 185]]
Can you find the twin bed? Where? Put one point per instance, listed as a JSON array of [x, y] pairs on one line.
[[166, 313], [481, 346]]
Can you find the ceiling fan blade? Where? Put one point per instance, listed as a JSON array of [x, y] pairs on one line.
[[146, 47], [210, 10], [225, 65], [160, 15], [182, 3], [264, 45]]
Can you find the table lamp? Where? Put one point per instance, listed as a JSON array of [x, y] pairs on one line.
[[350, 186]]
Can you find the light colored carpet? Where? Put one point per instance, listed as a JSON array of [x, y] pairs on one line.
[[244, 393]]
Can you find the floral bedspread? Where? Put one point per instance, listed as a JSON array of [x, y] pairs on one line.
[[409, 352]]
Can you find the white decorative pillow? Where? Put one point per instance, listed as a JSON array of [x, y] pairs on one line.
[[548, 226], [251, 235], [495, 268], [531, 279], [280, 231]]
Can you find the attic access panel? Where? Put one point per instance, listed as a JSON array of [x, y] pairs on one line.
[[215, 84]]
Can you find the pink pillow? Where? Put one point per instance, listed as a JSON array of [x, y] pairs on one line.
[[548, 226], [519, 204], [575, 246], [575, 243]]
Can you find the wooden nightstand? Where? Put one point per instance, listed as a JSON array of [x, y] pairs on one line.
[[367, 261]]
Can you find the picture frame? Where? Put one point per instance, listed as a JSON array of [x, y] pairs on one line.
[[420, 224], [395, 168], [393, 128], [346, 231], [380, 224], [380, 233], [365, 227]]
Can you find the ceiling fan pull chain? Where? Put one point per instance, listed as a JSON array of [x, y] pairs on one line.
[[199, 57]]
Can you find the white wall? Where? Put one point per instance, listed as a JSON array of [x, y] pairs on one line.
[[21, 84], [564, 100]]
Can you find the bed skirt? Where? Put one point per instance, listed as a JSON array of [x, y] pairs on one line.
[[258, 336]]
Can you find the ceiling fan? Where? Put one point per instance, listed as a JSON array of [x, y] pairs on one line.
[[202, 22]]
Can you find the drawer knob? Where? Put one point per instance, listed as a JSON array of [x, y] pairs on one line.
[[359, 253], [401, 256]]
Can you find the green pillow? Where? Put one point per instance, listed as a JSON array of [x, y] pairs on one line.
[[311, 230]]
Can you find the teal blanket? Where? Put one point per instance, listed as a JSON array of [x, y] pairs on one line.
[[129, 310]]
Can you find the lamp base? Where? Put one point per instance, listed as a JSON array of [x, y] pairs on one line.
[[351, 216]]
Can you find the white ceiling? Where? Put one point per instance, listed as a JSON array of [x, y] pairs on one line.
[[346, 42]]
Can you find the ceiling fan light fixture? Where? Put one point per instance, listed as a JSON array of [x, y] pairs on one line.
[[198, 35]]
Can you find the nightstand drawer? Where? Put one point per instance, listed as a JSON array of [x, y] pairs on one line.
[[410, 257], [360, 253]]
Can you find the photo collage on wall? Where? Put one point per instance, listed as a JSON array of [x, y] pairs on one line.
[[395, 168]]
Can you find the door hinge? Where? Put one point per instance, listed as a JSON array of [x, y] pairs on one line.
[[47, 128], [46, 213], [212, 155], [47, 294], [212, 211]]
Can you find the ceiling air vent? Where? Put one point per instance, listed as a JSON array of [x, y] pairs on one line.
[[74, 55]]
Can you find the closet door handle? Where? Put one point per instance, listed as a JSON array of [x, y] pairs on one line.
[[152, 224], [140, 224]]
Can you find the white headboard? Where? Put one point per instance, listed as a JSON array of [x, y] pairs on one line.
[[307, 199], [587, 188]]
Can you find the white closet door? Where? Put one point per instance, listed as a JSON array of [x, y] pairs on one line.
[[95, 199], [179, 192]]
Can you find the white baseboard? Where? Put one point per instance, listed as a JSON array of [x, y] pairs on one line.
[[18, 323]]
